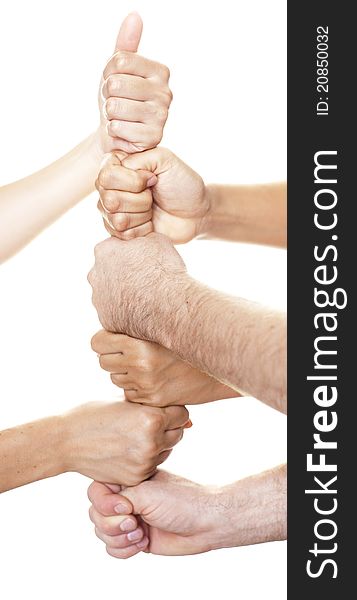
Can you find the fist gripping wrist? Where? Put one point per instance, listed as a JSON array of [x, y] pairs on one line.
[[145, 281]]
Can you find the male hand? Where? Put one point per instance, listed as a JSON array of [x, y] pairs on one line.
[[120, 442], [177, 196], [175, 517], [132, 280], [134, 95], [151, 374]]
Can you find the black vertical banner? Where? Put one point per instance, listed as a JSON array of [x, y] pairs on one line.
[[322, 332]]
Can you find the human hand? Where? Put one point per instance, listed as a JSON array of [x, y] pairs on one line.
[[134, 95], [120, 442], [151, 374], [132, 281], [175, 516], [177, 196]]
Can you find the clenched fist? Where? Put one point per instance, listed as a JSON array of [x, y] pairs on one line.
[[153, 190], [120, 442], [132, 280], [134, 95], [151, 374]]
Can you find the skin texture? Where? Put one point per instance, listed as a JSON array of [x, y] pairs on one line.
[[183, 207], [29, 205], [151, 374], [118, 442], [141, 288], [175, 516]]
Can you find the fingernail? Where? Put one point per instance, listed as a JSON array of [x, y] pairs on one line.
[[150, 182], [188, 424], [134, 536], [127, 525], [143, 543], [121, 508]]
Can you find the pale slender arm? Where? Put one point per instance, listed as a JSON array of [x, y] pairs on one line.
[[255, 214], [29, 205], [239, 342], [30, 452]]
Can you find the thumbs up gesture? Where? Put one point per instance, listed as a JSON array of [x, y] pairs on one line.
[[134, 95]]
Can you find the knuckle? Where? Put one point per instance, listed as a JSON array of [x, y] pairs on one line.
[[104, 177], [115, 379], [103, 361], [153, 423], [111, 85], [162, 113], [165, 72], [122, 61], [109, 200], [111, 107], [120, 221]]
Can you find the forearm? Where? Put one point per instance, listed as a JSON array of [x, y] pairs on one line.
[[255, 510], [29, 205], [246, 213], [212, 390], [240, 343], [31, 452]]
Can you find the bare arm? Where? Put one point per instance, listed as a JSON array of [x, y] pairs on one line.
[[239, 342], [101, 440], [141, 288], [30, 452], [29, 205], [246, 213], [184, 207], [183, 517]]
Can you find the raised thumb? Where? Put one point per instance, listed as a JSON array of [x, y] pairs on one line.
[[129, 33]]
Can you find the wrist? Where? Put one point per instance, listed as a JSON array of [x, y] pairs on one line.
[[55, 461], [250, 511], [210, 192], [68, 442], [94, 148]]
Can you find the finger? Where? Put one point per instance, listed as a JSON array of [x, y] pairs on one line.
[[114, 363], [130, 551], [112, 525], [126, 180], [162, 457], [122, 380], [133, 64], [127, 202], [122, 108], [129, 33], [156, 160], [134, 396], [120, 541], [177, 416], [132, 87], [134, 132], [130, 234], [105, 342], [106, 502], [171, 438], [122, 221]]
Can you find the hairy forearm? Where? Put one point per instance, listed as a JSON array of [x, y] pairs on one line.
[[31, 452], [253, 510], [246, 213], [240, 343], [29, 205]]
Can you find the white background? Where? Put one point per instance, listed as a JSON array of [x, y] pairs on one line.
[[227, 120]]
